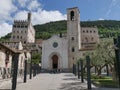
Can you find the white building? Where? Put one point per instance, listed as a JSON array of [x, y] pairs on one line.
[[55, 53]]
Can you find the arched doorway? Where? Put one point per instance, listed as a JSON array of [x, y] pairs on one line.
[[54, 61]]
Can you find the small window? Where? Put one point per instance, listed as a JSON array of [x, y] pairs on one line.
[[83, 31], [87, 31], [14, 26], [73, 58], [26, 26], [92, 38], [94, 31], [13, 37], [18, 37], [72, 38], [86, 39], [21, 37], [90, 31], [73, 49]]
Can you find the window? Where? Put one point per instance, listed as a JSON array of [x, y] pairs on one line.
[[18, 37], [21, 37], [90, 31], [83, 31], [86, 39], [92, 38], [73, 49], [72, 15], [14, 26], [87, 31], [94, 31], [72, 38]]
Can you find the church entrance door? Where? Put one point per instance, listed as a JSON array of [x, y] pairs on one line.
[[55, 61]]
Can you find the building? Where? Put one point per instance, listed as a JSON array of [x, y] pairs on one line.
[[62, 52], [7, 50], [59, 51], [55, 53], [23, 31]]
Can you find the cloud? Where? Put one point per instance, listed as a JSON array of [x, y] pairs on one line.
[[6, 9], [5, 28], [112, 5], [100, 19], [23, 3], [33, 5], [12, 9], [21, 15], [41, 16]]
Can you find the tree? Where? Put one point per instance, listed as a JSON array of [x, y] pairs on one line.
[[36, 58], [103, 55]]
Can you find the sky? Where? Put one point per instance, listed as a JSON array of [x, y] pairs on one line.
[[44, 11]]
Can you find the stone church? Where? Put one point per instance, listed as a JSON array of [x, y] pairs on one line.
[[60, 52]]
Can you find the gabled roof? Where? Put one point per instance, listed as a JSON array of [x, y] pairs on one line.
[[12, 50]]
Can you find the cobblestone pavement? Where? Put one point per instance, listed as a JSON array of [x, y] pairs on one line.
[[50, 81]]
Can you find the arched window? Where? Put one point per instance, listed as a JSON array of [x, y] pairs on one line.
[[72, 15], [73, 49]]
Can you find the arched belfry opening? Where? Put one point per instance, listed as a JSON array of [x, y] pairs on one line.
[[54, 61], [72, 15]]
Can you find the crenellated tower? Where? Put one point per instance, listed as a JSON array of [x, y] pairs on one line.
[[23, 31]]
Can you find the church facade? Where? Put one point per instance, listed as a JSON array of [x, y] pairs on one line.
[[62, 52], [55, 53]]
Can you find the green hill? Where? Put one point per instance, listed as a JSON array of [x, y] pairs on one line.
[[107, 28]]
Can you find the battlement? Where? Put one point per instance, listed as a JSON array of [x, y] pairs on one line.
[[21, 22]]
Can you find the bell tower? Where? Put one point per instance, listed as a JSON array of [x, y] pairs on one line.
[[73, 34]]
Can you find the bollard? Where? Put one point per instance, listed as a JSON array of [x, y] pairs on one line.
[[25, 72], [15, 69], [78, 71], [75, 69], [88, 72], [81, 63]]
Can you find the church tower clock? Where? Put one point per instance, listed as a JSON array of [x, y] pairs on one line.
[[73, 34]]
